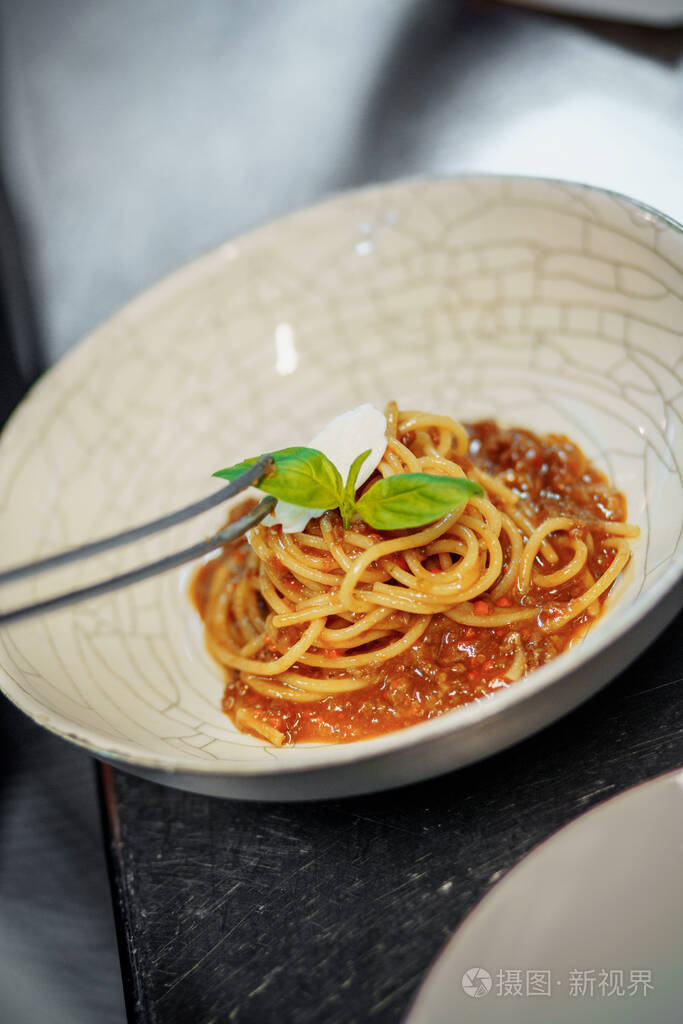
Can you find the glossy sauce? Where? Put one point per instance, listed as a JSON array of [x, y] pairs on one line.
[[453, 664]]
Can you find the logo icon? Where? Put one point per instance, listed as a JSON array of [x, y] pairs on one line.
[[476, 982]]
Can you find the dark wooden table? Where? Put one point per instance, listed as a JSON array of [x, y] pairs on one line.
[[334, 911]]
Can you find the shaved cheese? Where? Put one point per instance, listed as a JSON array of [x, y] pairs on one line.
[[342, 440]]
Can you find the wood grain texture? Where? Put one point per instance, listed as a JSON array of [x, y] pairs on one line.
[[334, 911]]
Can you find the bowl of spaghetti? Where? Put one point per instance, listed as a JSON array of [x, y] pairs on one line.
[[510, 544]]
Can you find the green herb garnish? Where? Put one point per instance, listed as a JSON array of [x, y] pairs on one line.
[[347, 505], [413, 499], [302, 476], [306, 477]]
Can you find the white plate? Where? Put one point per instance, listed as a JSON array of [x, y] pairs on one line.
[[655, 12], [591, 923], [545, 304]]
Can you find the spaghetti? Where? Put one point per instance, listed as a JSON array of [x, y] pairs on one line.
[[336, 635]]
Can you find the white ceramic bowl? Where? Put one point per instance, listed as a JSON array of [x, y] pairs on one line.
[[550, 305]]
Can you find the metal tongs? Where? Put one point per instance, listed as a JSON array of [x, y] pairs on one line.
[[97, 547]]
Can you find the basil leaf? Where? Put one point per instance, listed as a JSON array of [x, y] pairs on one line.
[[347, 504], [413, 499], [301, 476], [232, 472]]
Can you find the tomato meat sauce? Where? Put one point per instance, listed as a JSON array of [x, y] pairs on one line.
[[453, 664]]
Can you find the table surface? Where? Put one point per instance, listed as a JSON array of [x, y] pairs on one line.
[[330, 911]]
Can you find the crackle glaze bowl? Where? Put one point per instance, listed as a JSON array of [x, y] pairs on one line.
[[549, 305]]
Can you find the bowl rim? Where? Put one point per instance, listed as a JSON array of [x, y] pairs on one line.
[[604, 636]]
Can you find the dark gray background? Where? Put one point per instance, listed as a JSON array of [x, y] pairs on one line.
[[136, 134]]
